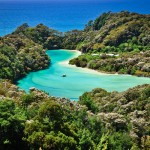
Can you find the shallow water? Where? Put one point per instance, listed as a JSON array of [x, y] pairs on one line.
[[77, 81]]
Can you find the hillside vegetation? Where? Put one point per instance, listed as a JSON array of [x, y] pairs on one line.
[[100, 120], [114, 42], [112, 32], [24, 50], [126, 63], [19, 55]]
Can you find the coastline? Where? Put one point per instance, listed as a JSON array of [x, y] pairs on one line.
[[86, 70]]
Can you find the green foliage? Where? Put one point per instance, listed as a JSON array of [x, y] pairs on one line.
[[100, 120], [100, 21], [85, 140], [11, 126], [17, 60], [103, 143], [59, 141], [85, 99], [34, 120], [22, 51], [123, 63], [119, 141], [27, 99], [53, 112], [123, 31]]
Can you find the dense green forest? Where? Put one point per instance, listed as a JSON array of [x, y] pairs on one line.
[[99, 121], [125, 63], [20, 55], [114, 42], [112, 32], [124, 34], [25, 50]]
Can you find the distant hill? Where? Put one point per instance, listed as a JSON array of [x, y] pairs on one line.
[[117, 32], [114, 42], [23, 51]]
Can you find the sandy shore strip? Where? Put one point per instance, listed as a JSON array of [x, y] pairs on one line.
[[80, 69], [77, 52]]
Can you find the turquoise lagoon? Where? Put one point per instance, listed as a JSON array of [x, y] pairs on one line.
[[77, 80]]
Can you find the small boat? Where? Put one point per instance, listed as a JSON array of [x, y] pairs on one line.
[[64, 75]]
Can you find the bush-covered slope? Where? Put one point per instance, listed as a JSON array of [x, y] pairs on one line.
[[134, 63], [21, 53], [117, 32], [114, 42], [41, 34], [126, 111], [100, 120]]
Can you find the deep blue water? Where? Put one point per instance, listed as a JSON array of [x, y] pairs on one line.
[[62, 15]]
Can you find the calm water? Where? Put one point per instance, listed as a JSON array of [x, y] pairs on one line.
[[62, 15], [77, 81]]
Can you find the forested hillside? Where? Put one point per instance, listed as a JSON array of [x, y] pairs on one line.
[[20, 55], [112, 32], [124, 32], [100, 120], [114, 42], [134, 63]]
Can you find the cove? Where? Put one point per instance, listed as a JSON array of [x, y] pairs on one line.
[[77, 80]]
